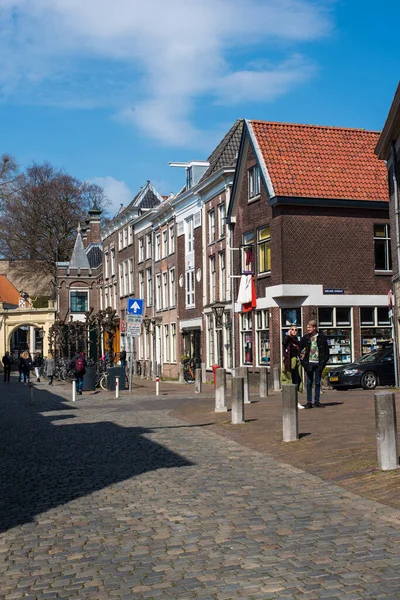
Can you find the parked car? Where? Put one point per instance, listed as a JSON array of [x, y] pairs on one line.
[[368, 371]]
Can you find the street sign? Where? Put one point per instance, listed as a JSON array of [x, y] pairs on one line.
[[134, 328], [135, 306], [134, 319]]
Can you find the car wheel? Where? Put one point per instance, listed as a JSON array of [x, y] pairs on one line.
[[369, 381]]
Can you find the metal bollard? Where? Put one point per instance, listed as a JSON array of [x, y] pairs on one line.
[[117, 386], [290, 416], [30, 392], [237, 401], [386, 430], [73, 390], [157, 386], [197, 382]]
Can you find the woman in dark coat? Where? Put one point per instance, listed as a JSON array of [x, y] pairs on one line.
[[25, 366]]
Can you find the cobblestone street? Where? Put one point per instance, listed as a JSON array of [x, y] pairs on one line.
[[109, 498]]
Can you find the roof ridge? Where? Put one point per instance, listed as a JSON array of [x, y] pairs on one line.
[[314, 126]]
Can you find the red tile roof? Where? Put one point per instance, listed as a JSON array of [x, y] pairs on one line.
[[8, 293], [322, 162]]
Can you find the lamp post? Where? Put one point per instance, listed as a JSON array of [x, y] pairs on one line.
[[218, 311]]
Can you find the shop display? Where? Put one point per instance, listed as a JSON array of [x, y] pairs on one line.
[[373, 338], [339, 342]]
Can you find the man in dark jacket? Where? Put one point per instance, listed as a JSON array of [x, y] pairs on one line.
[[7, 366], [314, 355], [77, 365]]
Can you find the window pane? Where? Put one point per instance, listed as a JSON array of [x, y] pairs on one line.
[[248, 238], [291, 316], [367, 316], [380, 255], [383, 315], [343, 316], [379, 230], [264, 233], [264, 257], [325, 316]]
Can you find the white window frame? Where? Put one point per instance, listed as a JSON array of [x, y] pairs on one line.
[[189, 235], [189, 289], [222, 276], [262, 327], [210, 340], [149, 289], [80, 291], [120, 240], [158, 246], [126, 280], [141, 285], [141, 249], [211, 226], [173, 342], [130, 235], [387, 240], [165, 243], [221, 220], [125, 237], [112, 252], [212, 279], [158, 292], [171, 231], [172, 288], [254, 182], [166, 343], [165, 289], [121, 279], [131, 275], [148, 245], [106, 265]]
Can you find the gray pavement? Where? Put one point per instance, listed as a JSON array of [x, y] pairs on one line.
[[110, 498]]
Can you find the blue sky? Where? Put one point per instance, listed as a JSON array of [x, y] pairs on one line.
[[113, 91]]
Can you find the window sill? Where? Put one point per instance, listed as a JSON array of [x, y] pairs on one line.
[[263, 275], [379, 273], [253, 199], [221, 239], [211, 243]]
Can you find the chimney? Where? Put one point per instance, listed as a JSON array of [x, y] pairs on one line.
[[93, 225]]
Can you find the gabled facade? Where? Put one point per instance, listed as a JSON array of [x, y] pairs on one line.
[[310, 225]]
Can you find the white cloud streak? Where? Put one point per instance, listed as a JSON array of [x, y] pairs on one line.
[[151, 62], [117, 192]]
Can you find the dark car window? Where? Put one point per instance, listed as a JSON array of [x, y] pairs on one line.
[[371, 357], [388, 358]]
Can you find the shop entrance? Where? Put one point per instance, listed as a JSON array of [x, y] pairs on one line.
[[26, 337], [192, 346]]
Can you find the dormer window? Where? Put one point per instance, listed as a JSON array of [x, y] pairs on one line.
[[189, 177]]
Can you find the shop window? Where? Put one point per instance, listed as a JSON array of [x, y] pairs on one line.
[[247, 253], [337, 334], [290, 316], [374, 334], [382, 251], [264, 249], [247, 338], [263, 343]]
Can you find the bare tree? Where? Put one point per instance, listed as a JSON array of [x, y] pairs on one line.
[[39, 219]]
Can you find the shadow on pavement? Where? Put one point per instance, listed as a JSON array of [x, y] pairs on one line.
[[43, 465]]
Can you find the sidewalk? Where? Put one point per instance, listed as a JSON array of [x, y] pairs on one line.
[[337, 443]]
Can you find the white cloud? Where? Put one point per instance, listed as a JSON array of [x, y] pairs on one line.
[[159, 58], [116, 191]]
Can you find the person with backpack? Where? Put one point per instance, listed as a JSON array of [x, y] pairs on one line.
[[78, 365]]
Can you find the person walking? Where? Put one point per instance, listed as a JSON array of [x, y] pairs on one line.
[[7, 361], [25, 367], [122, 357], [78, 365], [314, 355], [37, 363], [291, 367], [50, 367]]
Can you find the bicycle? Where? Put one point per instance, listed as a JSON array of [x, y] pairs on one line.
[[103, 382], [188, 373]]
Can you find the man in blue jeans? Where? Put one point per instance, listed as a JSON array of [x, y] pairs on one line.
[[314, 355], [78, 365]]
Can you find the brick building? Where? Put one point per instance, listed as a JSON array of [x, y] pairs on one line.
[[78, 280], [388, 149], [310, 222]]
